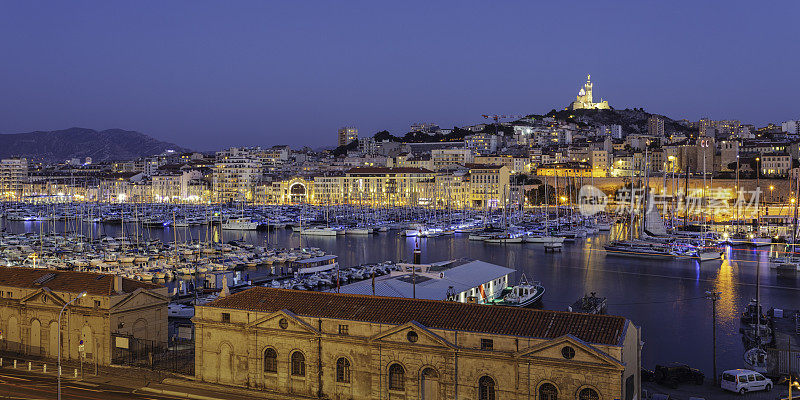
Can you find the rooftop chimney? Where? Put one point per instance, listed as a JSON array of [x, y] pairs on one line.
[[117, 283]]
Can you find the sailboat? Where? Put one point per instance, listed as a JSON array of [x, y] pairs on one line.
[[547, 239]]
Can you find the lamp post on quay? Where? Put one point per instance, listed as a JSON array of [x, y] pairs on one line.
[[82, 294]]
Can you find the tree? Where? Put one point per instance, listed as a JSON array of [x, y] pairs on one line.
[[537, 195], [384, 135]]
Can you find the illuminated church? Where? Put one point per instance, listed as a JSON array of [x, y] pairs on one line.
[[584, 100]]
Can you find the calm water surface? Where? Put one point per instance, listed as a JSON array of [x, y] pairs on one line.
[[664, 297]]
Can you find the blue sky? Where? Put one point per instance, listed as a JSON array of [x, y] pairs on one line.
[[208, 75]]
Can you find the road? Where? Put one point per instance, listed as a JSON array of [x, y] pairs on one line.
[[23, 385]]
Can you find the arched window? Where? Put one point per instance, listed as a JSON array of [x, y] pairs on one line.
[[298, 364], [397, 377], [270, 360], [588, 394], [548, 391], [486, 388], [343, 370]]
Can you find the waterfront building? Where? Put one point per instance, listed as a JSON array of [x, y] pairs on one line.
[[13, 175], [465, 281], [329, 189], [178, 186], [296, 190], [585, 99], [489, 185], [452, 189], [344, 346], [398, 186], [346, 134], [31, 299], [237, 171], [568, 169]]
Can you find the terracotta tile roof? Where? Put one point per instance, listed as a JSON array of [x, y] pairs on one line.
[[601, 329], [67, 281]]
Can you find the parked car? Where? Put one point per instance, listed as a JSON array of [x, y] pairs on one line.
[[745, 380], [673, 374]]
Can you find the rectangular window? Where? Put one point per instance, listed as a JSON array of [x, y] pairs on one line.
[[226, 317], [97, 304], [10, 294], [343, 329], [487, 344]]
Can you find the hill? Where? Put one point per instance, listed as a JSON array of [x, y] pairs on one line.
[[631, 120], [106, 145]]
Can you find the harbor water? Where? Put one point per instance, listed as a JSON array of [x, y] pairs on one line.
[[666, 298]]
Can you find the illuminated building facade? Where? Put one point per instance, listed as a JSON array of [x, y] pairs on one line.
[[236, 172], [346, 134], [13, 175], [489, 185], [585, 101], [371, 347]]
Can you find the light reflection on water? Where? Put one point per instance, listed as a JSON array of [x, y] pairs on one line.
[[664, 297]]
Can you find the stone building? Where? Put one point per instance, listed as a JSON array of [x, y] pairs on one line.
[[585, 99], [489, 185], [342, 346], [31, 299]]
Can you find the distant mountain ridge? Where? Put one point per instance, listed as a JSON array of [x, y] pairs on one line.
[[60, 145]]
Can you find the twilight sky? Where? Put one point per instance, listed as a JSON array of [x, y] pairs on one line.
[[207, 75]]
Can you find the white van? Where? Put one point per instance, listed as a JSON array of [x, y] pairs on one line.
[[745, 380]]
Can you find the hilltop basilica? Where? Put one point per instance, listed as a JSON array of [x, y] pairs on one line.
[[584, 100]]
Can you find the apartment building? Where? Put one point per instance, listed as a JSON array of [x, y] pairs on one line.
[[450, 158], [489, 185], [237, 171], [13, 175]]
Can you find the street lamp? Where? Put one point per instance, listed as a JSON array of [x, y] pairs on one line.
[[714, 297], [82, 294]]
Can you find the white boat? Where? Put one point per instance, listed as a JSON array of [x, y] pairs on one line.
[[543, 239], [504, 239], [359, 231], [522, 295], [240, 224], [708, 255], [318, 231]]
